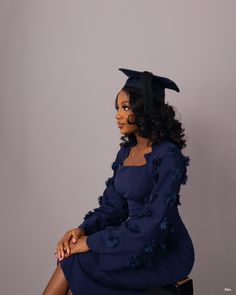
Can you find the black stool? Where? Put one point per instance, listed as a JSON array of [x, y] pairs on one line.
[[182, 287]]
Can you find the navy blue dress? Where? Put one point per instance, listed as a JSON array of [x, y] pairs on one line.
[[136, 235]]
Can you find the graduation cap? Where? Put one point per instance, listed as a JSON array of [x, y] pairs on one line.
[[151, 87]]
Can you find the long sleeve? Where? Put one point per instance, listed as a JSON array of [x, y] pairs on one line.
[[133, 243], [112, 208]]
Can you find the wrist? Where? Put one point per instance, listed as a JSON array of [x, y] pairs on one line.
[[82, 231]]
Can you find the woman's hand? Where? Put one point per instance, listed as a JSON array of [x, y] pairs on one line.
[[78, 247], [65, 243]]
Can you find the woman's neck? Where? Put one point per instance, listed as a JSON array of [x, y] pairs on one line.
[[142, 142]]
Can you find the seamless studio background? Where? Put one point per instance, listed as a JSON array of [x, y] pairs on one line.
[[59, 77]]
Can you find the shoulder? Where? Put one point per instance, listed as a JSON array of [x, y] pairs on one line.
[[124, 147], [166, 148], [167, 154], [120, 155]]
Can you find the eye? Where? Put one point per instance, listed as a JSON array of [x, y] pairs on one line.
[[125, 107]]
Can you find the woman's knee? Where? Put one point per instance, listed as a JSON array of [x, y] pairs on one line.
[[57, 283]]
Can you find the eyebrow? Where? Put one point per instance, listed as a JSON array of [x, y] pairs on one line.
[[124, 101]]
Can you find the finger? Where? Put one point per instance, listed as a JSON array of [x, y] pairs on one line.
[[75, 236], [58, 250], [74, 239], [61, 250], [60, 245], [66, 246], [72, 251], [76, 233], [72, 247], [65, 254]]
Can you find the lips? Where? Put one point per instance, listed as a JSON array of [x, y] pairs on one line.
[[120, 124]]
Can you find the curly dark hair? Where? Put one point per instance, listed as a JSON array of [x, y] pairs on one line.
[[159, 126]]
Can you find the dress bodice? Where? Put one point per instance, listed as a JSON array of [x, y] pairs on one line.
[[134, 183]]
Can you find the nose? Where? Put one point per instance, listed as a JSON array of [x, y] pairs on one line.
[[118, 115]]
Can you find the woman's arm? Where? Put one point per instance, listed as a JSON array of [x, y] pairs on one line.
[[113, 208]]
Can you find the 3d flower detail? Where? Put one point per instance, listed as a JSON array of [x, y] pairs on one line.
[[109, 202], [186, 160], [99, 209], [155, 163], [114, 165], [178, 201], [115, 220], [149, 247], [88, 214], [134, 227], [145, 212], [172, 198], [176, 174], [133, 261], [149, 198], [100, 198], [174, 149], [109, 181], [184, 179], [112, 241], [164, 224]]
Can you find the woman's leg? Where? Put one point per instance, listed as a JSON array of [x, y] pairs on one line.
[[57, 284]]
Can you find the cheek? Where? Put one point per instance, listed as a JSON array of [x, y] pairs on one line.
[[131, 127], [131, 117]]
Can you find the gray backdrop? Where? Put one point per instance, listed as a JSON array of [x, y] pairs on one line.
[[59, 77]]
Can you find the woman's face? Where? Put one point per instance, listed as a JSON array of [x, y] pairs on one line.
[[123, 112]]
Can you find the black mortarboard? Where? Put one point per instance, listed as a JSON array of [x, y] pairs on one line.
[[151, 87]]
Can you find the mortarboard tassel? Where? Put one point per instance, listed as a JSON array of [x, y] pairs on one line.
[[146, 80]]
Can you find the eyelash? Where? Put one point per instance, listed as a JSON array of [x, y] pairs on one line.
[[124, 106]]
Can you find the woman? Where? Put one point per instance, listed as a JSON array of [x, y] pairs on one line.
[[135, 239]]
